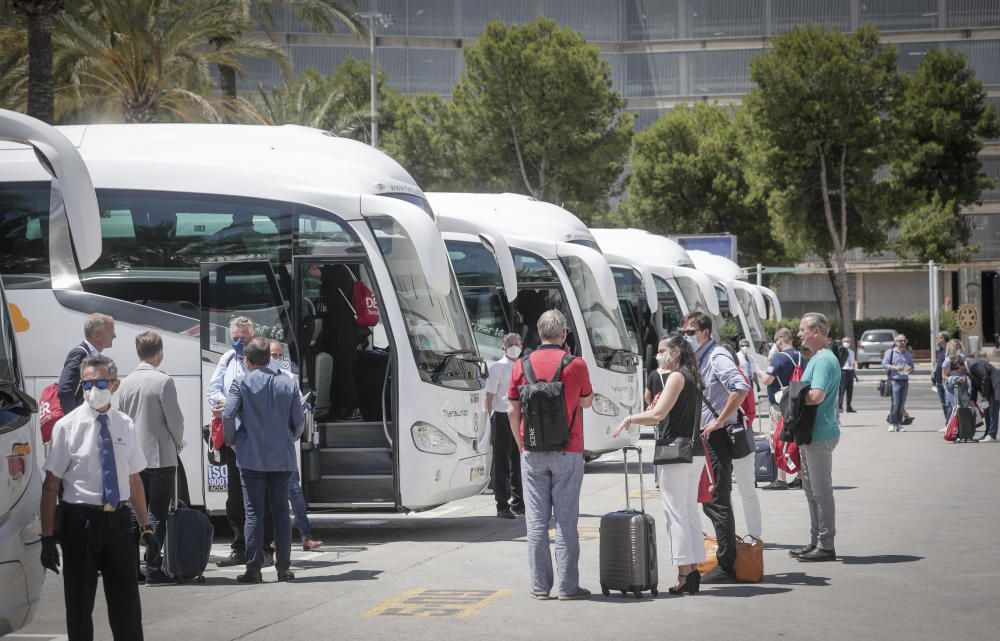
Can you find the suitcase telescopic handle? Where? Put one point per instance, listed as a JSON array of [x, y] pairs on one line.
[[642, 488]]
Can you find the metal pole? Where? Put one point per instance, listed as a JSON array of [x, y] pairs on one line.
[[374, 93], [932, 280], [759, 270]]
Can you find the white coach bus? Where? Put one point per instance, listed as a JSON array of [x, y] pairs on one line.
[[558, 266], [202, 223]]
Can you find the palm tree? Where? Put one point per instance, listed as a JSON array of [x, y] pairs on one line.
[[40, 87], [149, 60], [311, 100], [321, 15]]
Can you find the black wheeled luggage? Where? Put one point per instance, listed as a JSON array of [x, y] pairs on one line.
[[765, 470], [966, 423], [628, 544], [187, 543]]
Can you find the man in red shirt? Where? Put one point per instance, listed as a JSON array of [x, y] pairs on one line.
[[551, 480]]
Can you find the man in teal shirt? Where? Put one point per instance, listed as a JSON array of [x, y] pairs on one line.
[[823, 374]]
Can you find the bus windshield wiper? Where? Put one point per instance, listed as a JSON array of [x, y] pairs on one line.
[[448, 356], [614, 353]]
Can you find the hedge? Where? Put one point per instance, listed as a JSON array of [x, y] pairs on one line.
[[916, 327]]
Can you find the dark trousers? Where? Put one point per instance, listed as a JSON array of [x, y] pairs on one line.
[[900, 387], [343, 346], [256, 486], [992, 418], [159, 485], [96, 541], [720, 509], [846, 388], [506, 464], [235, 513]]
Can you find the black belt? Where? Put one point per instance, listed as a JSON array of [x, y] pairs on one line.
[[98, 508]]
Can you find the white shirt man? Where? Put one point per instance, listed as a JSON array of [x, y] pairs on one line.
[[506, 456]]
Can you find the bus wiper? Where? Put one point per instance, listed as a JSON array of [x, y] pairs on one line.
[[448, 356], [627, 357]]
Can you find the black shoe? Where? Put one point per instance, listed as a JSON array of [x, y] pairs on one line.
[[285, 575], [795, 485], [517, 510], [505, 513], [851, 410], [691, 584], [718, 575], [158, 578], [236, 557], [776, 485], [797, 552], [250, 576], [819, 554]]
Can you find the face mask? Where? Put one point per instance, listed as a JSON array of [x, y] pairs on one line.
[[692, 341], [745, 350], [97, 398], [663, 359], [513, 352], [238, 348], [846, 345]]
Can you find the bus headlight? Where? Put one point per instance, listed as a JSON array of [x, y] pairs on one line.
[[604, 405], [430, 439]]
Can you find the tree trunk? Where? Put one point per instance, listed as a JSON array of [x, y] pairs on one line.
[[227, 84], [838, 240], [41, 93]]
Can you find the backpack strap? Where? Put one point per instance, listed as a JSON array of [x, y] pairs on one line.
[[566, 360], [529, 373]]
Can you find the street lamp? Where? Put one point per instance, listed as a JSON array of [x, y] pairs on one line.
[[385, 20]]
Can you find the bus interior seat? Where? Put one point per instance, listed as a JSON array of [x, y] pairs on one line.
[[323, 381]]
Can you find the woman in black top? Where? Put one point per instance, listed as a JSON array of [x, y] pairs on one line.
[[677, 413], [654, 382]]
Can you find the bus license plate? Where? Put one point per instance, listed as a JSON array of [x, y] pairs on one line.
[[477, 473]]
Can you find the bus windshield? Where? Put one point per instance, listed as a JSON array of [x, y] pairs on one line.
[[605, 327], [9, 371], [731, 329], [437, 326], [670, 309], [749, 308], [629, 289], [482, 291]]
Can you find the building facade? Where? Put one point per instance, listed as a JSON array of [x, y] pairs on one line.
[[665, 53]]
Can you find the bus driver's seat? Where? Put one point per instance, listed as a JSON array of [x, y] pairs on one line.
[[322, 361]]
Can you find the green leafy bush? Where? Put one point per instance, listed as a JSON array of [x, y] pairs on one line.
[[916, 327]]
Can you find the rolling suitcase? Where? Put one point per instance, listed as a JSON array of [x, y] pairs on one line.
[[966, 423], [628, 544], [187, 543], [765, 470]]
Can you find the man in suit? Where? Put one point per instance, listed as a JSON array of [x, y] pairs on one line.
[[98, 334], [269, 410], [149, 397]]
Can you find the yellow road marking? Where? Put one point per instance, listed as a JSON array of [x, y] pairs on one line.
[[438, 603]]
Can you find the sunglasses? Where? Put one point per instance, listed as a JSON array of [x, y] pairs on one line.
[[101, 383], [691, 332]]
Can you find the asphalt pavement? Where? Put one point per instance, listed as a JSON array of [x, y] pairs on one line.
[[917, 522]]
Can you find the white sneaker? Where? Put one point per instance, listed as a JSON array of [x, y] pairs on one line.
[[892, 428], [988, 439], [901, 429]]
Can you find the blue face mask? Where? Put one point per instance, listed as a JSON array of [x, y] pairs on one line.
[[692, 341], [238, 348]]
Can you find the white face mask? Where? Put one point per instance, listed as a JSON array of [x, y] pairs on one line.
[[846, 345], [97, 398], [513, 352], [663, 359], [745, 350]]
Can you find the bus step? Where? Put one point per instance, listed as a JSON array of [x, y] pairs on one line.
[[338, 461], [356, 488], [344, 434]]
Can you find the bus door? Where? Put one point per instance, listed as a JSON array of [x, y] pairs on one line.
[[230, 290], [348, 458]]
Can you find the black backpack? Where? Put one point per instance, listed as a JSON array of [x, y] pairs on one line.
[[543, 408]]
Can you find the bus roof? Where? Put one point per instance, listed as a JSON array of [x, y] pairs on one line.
[[716, 265], [516, 216], [650, 248]]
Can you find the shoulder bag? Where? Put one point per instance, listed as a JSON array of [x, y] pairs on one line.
[[739, 437], [675, 449]]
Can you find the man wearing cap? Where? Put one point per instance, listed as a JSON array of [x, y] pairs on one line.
[[96, 455]]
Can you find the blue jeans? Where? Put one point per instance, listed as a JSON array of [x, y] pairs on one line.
[[298, 500], [256, 486], [899, 389], [992, 416], [551, 484]]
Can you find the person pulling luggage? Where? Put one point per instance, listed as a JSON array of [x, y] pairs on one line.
[[677, 414]]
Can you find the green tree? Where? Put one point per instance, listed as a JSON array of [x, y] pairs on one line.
[[310, 100], [943, 120], [535, 112], [822, 111], [688, 176], [422, 138]]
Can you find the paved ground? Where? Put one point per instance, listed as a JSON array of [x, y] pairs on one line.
[[917, 523]]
